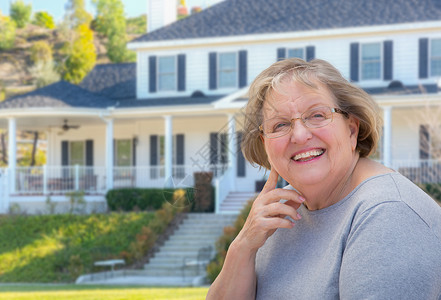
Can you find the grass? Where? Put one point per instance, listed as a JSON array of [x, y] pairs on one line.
[[97, 292]]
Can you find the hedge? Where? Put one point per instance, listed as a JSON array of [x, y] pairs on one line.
[[132, 199]]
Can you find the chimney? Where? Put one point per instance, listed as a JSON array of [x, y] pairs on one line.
[[160, 13]]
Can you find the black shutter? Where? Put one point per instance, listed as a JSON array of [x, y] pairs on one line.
[[310, 53], [213, 148], [152, 74], [180, 154], [388, 60], [134, 142], [424, 142], [354, 61], [89, 153], [153, 150], [212, 63], [281, 54], [242, 68], [64, 153], [224, 148], [423, 58], [240, 158], [181, 72]]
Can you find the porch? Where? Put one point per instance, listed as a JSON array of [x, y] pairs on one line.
[[34, 184]]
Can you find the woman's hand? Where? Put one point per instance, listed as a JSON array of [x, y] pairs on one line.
[[268, 213]]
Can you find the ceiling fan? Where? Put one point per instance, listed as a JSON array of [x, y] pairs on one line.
[[66, 127]]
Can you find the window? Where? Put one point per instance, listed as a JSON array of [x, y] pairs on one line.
[[167, 73], [227, 70], [296, 52], [371, 61], [77, 153], [435, 57], [123, 153]]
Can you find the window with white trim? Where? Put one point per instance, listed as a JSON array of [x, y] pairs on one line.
[[435, 57], [227, 70], [296, 52], [167, 74], [370, 61], [77, 153], [123, 153]]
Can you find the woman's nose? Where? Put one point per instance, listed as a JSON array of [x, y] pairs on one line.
[[299, 132]]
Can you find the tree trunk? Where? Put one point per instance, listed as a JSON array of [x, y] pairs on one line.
[[3, 149], [34, 148]]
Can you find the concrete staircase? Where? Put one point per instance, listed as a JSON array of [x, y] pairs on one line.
[[197, 230], [235, 201]]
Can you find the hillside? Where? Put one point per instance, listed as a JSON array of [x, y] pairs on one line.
[[15, 76]]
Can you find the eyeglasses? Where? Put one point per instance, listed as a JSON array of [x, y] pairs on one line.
[[314, 118]]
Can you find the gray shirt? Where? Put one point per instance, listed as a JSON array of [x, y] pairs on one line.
[[382, 241]]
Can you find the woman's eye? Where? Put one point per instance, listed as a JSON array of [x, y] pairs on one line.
[[317, 115], [280, 126]]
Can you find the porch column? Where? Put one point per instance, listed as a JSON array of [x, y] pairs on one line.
[[232, 149], [12, 152], [387, 136], [168, 165], [109, 154]]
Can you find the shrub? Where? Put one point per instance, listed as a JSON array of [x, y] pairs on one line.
[[20, 12], [41, 51], [44, 19], [7, 33], [224, 242], [129, 199]]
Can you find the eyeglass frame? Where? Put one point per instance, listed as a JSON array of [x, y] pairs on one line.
[[332, 109]]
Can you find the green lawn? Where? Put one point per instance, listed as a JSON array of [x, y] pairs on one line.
[[83, 292]]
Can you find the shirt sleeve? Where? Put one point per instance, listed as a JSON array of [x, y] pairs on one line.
[[391, 253]]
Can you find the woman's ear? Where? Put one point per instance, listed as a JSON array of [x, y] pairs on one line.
[[354, 125]]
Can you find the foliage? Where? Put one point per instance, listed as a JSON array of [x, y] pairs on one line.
[[104, 292], [76, 14], [7, 33], [433, 189], [111, 23], [129, 199], [137, 25], [77, 202], [41, 51], [55, 248], [20, 12], [44, 73], [224, 242], [43, 19], [80, 55]]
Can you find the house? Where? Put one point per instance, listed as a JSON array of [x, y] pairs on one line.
[[179, 109]]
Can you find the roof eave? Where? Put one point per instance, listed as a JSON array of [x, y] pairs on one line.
[[268, 37]]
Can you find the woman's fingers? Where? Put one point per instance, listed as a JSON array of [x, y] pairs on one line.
[[271, 183], [280, 210]]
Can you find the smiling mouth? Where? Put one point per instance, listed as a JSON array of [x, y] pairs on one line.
[[309, 155]]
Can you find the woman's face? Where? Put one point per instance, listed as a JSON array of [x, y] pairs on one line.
[[309, 156]]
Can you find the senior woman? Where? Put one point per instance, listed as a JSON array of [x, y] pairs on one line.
[[346, 226]]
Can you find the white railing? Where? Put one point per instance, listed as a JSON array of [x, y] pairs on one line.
[[64, 179], [223, 185], [419, 171]]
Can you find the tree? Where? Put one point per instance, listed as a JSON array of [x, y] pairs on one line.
[[81, 55], [41, 51], [111, 23], [7, 32], [76, 14], [44, 19], [79, 50], [20, 12]]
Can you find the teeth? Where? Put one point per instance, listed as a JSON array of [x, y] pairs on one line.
[[311, 154]]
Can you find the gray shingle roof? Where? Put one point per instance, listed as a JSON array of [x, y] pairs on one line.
[[59, 94], [117, 81], [243, 17]]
